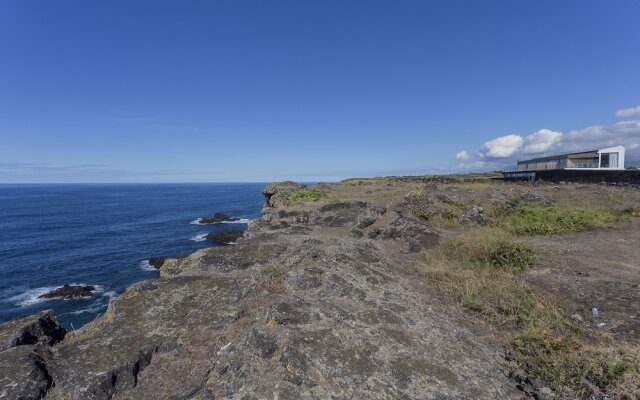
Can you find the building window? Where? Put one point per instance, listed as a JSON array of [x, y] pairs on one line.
[[609, 160]]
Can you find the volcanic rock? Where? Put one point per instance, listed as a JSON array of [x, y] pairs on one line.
[[217, 218], [156, 262], [225, 237], [69, 292]]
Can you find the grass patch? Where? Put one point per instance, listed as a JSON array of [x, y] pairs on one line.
[[272, 278], [584, 371], [301, 196], [531, 219], [482, 271]]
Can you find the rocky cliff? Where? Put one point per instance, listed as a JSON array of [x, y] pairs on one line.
[[318, 300]]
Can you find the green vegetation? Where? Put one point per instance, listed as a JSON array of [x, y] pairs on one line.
[[531, 219], [482, 271], [301, 196], [569, 365]]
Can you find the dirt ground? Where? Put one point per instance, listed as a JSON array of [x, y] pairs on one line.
[[600, 269]]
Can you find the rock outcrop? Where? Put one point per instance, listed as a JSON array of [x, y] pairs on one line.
[[217, 218], [69, 292], [225, 237], [25, 349], [156, 262]]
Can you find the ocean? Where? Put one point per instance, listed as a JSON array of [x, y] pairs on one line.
[[102, 235]]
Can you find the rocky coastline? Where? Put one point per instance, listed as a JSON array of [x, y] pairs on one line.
[[308, 304], [318, 299]]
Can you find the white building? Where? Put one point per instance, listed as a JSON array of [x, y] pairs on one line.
[[610, 158]]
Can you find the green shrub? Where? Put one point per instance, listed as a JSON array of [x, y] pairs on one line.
[[491, 248], [617, 370], [515, 257]]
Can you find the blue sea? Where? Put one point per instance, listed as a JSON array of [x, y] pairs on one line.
[[102, 235]]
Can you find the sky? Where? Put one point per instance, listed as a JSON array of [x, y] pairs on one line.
[[208, 91]]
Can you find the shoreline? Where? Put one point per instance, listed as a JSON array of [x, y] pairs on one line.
[[320, 297]]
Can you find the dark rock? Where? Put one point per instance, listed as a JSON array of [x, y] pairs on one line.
[[365, 221], [295, 364], [23, 374], [374, 233], [156, 262], [343, 205], [217, 218], [69, 292], [42, 327], [289, 313], [264, 344], [225, 237], [356, 233], [310, 278], [337, 220], [118, 371]]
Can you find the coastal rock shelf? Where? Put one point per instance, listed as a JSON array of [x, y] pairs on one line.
[[317, 300]]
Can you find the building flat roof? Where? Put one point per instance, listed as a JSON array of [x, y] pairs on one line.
[[557, 156]]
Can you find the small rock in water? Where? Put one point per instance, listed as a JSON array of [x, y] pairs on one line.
[[69, 292], [217, 218]]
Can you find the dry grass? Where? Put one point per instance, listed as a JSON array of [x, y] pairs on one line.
[[271, 278], [482, 271]]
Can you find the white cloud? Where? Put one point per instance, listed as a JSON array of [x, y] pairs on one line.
[[624, 133], [503, 146], [541, 141], [628, 112], [463, 156]]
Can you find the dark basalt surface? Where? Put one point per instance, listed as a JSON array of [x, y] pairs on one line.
[[225, 237], [217, 218], [69, 292], [156, 262], [25, 349]]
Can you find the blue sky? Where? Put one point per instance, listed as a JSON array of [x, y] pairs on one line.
[[153, 91]]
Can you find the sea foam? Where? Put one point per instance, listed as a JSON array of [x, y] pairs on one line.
[[199, 238], [144, 264], [198, 221]]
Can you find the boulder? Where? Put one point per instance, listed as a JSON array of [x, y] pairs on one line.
[[69, 292]]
